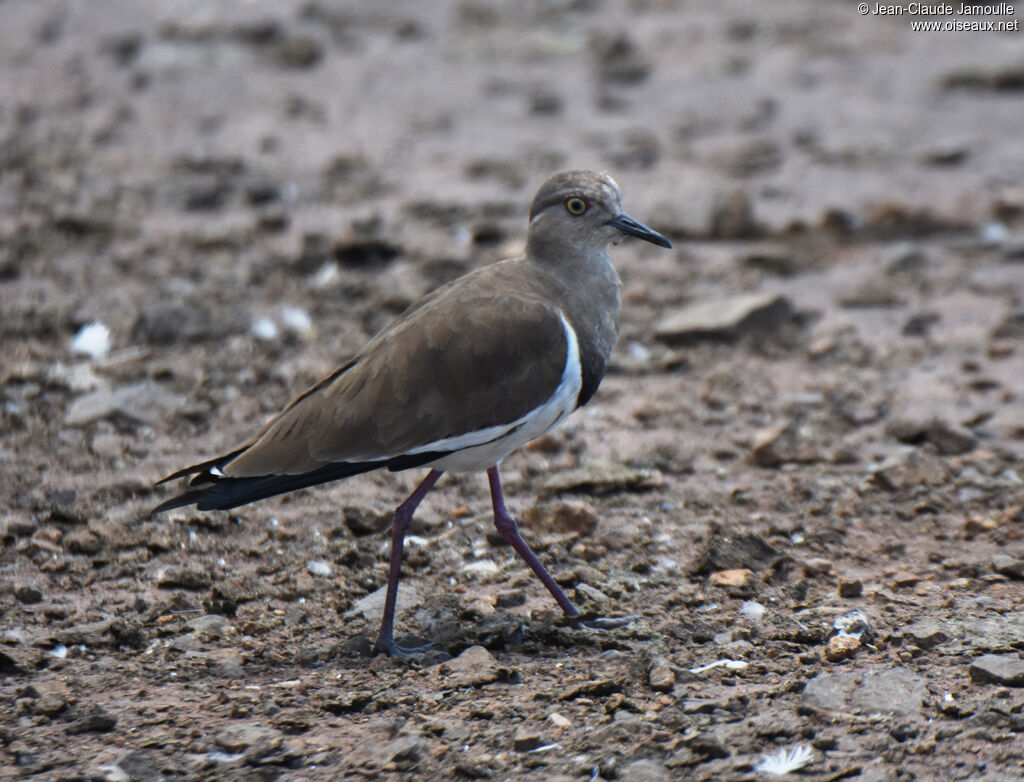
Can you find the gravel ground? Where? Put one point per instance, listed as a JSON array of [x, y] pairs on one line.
[[802, 475]]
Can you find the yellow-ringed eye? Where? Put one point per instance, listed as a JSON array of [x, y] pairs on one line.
[[576, 205]]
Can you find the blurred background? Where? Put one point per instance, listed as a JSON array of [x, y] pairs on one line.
[[207, 205]]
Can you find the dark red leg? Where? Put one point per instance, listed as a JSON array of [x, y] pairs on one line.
[[506, 525], [399, 526]]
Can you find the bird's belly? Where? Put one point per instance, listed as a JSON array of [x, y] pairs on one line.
[[536, 423]]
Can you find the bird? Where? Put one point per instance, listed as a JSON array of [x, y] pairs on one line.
[[469, 373]]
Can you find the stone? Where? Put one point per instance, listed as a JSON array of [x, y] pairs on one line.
[[1004, 669], [94, 720], [213, 625], [850, 587], [643, 770], [661, 676], [890, 691], [575, 517], [925, 633], [29, 594], [737, 578], [725, 319], [911, 469], [788, 442], [372, 606], [949, 439], [146, 402], [841, 647], [1006, 565], [527, 738], [473, 668], [600, 478], [252, 740]]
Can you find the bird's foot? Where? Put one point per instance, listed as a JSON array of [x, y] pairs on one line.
[[391, 649], [591, 622]]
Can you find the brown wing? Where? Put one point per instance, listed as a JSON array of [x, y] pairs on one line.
[[463, 360]]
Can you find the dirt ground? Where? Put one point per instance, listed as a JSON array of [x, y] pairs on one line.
[[802, 476]]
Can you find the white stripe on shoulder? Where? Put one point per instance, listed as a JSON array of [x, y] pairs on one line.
[[486, 447]]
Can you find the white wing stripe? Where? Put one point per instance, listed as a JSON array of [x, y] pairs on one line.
[[564, 397]]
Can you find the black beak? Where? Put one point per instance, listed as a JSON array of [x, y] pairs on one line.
[[628, 225]]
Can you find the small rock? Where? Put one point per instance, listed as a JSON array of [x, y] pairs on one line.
[[1012, 327], [904, 578], [95, 720], [619, 60], [738, 578], [925, 633], [850, 587], [83, 540], [473, 668], [510, 598], [732, 216], [213, 625], [297, 51], [789, 442], [527, 738], [725, 319], [592, 598], [50, 697], [643, 770], [661, 676], [365, 519], [948, 438], [404, 753], [254, 741], [871, 293], [559, 720], [911, 469], [29, 594], [1004, 669], [319, 568], [562, 517], [856, 624], [895, 690], [841, 647], [372, 606], [600, 478], [1004, 564], [189, 576], [146, 402]]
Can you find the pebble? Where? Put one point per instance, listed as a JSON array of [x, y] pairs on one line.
[[600, 478], [850, 587], [910, 469], [925, 633], [94, 720], [319, 568], [725, 319], [1007, 565], [841, 647], [643, 770], [1004, 669], [146, 402], [473, 668], [738, 578], [890, 691], [788, 442], [372, 606], [527, 738], [949, 439], [252, 740], [661, 676], [562, 517], [209, 624], [29, 594]]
